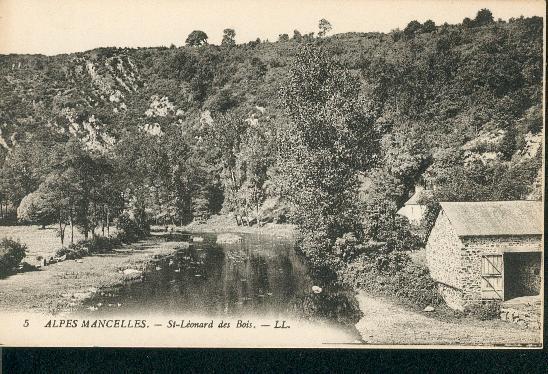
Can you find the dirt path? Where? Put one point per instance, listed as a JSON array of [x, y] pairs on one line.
[[387, 323], [61, 287]]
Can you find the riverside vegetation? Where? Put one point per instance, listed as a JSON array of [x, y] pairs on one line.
[[330, 133]]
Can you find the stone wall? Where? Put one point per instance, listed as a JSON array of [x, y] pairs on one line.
[[526, 312], [452, 296], [455, 263], [443, 253], [475, 247], [443, 256]]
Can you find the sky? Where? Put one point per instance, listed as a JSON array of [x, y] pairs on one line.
[[63, 26]]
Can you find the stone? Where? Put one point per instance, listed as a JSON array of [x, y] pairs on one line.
[[521, 322], [131, 272], [25, 266], [429, 309], [316, 289], [81, 295]]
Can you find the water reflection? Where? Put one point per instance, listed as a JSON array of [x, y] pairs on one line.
[[257, 276]]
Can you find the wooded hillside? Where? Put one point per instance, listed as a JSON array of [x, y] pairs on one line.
[[178, 134]]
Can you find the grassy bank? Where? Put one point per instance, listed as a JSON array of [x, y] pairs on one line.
[[223, 223], [64, 286], [41, 243]]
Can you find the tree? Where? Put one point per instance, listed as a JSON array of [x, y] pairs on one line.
[[23, 170], [428, 26], [283, 38], [467, 23], [228, 37], [196, 38], [35, 208], [324, 26], [412, 28], [329, 140], [297, 36], [483, 17]]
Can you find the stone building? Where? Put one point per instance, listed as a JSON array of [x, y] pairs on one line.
[[481, 252], [413, 208]]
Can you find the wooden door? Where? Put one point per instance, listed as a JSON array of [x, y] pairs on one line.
[[492, 283]]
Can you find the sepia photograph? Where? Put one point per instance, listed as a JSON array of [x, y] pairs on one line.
[[268, 174]]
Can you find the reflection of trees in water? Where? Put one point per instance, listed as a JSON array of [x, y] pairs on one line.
[[255, 276], [339, 306], [334, 303], [259, 275]]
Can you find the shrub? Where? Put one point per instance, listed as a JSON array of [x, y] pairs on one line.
[[392, 274], [73, 251], [129, 230], [336, 305], [485, 311], [315, 247], [70, 253], [11, 254], [98, 244], [347, 247]]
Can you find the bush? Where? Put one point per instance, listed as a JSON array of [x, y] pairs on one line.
[[316, 249], [73, 251], [392, 274], [335, 305], [11, 254], [347, 247], [489, 309], [129, 230], [98, 244]]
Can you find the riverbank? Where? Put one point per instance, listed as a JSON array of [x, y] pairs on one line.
[[226, 224], [388, 323], [63, 287]]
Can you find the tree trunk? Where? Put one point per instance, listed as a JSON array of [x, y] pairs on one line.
[[108, 222], [103, 221], [258, 219], [71, 227], [61, 231], [85, 217]]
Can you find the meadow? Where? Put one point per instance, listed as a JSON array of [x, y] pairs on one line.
[[40, 242]]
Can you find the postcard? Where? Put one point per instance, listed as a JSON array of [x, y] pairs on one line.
[[312, 174]]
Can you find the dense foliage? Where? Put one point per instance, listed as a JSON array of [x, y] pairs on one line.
[[84, 248], [332, 132], [392, 274], [11, 254]]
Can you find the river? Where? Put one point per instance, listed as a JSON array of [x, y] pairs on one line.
[[259, 276]]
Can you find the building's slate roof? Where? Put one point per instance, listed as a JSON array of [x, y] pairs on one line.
[[495, 218]]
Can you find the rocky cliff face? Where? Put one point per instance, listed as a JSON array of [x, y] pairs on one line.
[[442, 83], [75, 94]]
